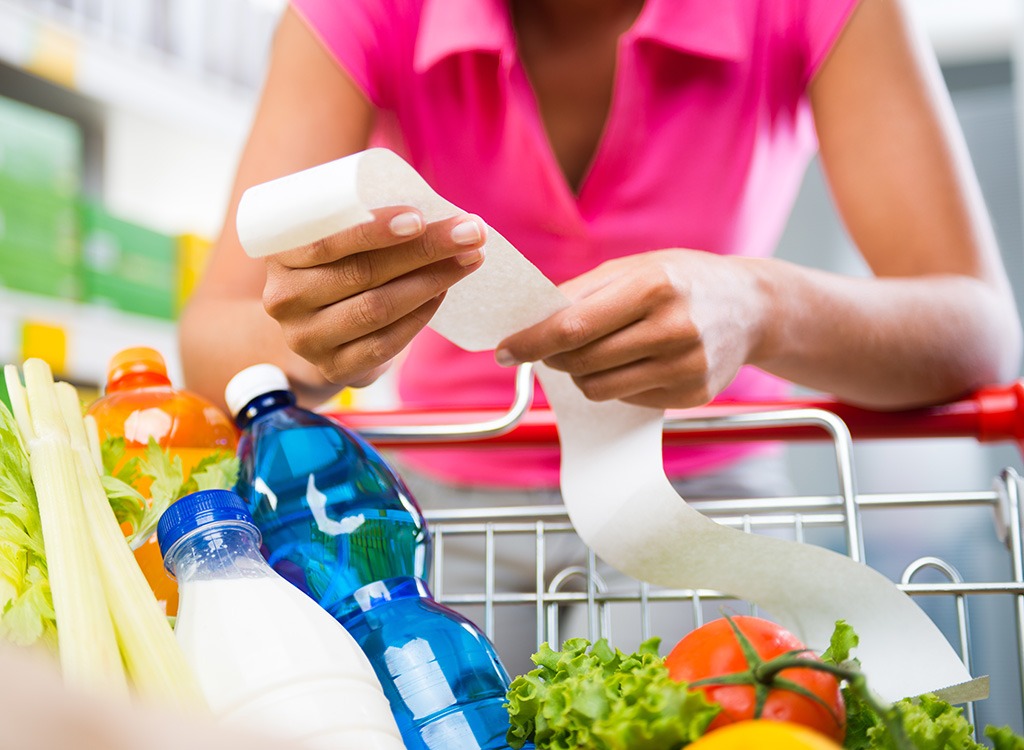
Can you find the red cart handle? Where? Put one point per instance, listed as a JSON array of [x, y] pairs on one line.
[[992, 414]]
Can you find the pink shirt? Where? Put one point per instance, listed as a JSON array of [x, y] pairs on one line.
[[706, 143]]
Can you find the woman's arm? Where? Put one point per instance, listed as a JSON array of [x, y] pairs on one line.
[[671, 328], [310, 112], [939, 318], [339, 310]]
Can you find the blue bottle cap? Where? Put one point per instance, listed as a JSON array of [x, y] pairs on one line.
[[199, 509]]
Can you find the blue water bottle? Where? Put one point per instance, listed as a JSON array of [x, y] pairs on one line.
[[342, 526]]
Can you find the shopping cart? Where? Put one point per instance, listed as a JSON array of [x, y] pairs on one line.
[[982, 615]]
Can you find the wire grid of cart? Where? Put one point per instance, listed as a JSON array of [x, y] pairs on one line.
[[977, 615]]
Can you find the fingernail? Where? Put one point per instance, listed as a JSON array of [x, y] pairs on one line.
[[406, 225], [471, 257], [504, 358], [467, 232]]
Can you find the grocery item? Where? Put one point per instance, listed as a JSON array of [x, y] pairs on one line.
[[267, 658], [340, 525], [440, 673], [110, 632], [595, 696], [764, 734], [141, 405], [40, 150], [26, 604], [735, 658], [128, 266]]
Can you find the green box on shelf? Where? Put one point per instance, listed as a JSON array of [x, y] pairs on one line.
[[47, 280], [127, 296], [38, 226], [21, 270], [40, 148], [127, 251]]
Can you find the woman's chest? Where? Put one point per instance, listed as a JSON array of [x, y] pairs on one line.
[[679, 155]]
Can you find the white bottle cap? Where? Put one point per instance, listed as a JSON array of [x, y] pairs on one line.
[[251, 383]]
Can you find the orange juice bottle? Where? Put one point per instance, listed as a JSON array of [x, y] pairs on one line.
[[140, 404]]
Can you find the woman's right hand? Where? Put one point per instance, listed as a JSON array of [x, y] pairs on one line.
[[351, 302]]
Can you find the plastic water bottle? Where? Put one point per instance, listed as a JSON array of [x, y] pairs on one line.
[[266, 656], [339, 524], [140, 404]]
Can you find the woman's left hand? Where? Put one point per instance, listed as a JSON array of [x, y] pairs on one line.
[[668, 328]]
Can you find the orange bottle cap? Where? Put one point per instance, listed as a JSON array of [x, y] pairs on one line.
[[135, 361]]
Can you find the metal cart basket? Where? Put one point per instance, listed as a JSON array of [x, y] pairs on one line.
[[983, 618]]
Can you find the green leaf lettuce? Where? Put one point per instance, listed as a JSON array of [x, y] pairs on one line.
[[597, 697]]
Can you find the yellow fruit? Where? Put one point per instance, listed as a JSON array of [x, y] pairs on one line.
[[762, 734]]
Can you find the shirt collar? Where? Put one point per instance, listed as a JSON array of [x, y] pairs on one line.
[[697, 27], [449, 27]]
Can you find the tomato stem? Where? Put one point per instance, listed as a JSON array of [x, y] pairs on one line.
[[768, 670], [764, 675]]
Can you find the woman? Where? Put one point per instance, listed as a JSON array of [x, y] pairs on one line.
[[645, 156]]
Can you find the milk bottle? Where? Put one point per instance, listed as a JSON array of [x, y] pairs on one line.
[[267, 657]]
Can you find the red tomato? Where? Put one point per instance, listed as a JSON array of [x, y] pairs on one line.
[[713, 650]]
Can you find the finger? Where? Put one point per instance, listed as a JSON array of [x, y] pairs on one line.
[[390, 226], [582, 323], [628, 382], [663, 398], [352, 363], [657, 398], [636, 341], [460, 238], [301, 289], [590, 282], [352, 318], [617, 383]]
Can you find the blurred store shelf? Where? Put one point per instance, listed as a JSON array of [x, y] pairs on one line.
[[967, 31], [199, 63], [190, 63], [78, 339]]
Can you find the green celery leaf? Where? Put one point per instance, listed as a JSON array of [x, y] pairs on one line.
[[26, 607], [168, 484], [14, 533], [26, 617], [218, 470], [112, 451], [8, 592], [166, 472], [13, 565], [128, 503]]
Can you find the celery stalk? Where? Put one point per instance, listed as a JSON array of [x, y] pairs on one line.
[[155, 662], [89, 653]]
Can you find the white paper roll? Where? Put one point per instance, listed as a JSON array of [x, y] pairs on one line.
[[613, 480]]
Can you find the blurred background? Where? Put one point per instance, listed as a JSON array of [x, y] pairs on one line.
[[121, 122]]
